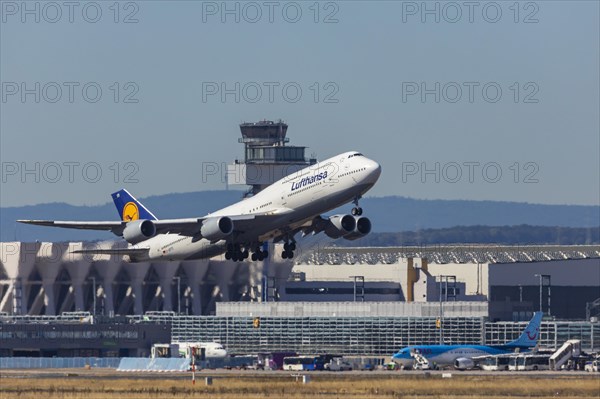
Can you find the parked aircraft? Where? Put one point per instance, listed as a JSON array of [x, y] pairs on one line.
[[461, 356]]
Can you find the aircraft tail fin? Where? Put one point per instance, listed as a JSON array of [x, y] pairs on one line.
[[531, 334], [129, 208]]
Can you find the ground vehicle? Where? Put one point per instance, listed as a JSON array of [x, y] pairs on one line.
[[495, 363], [299, 363], [273, 360], [338, 364], [593, 366], [529, 362]]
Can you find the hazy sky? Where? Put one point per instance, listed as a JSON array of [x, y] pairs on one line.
[[456, 100]]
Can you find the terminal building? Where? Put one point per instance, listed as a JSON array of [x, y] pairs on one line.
[[48, 279]]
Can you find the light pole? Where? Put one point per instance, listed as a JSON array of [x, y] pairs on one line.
[[543, 278], [520, 293], [360, 279], [94, 295], [178, 278], [444, 278]]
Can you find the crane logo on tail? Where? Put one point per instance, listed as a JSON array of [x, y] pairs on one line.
[[130, 212], [532, 336]]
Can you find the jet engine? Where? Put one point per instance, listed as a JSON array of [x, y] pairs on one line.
[[363, 227], [216, 228], [464, 363], [340, 225], [139, 230]]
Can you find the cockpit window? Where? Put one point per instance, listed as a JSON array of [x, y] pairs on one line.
[[356, 154]]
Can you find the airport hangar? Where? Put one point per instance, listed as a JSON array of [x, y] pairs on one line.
[[351, 301]]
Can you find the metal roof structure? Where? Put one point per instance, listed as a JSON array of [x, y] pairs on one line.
[[442, 254]]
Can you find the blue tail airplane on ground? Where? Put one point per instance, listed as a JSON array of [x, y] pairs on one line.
[[461, 356]]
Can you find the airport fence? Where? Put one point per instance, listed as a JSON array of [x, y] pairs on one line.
[[58, 362]]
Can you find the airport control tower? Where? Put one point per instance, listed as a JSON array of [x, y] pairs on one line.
[[266, 156]]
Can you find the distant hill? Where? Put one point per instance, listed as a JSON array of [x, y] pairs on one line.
[[502, 235], [388, 214]]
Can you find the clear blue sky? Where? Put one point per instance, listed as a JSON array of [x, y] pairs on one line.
[[369, 62]]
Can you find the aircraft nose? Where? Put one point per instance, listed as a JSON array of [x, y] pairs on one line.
[[374, 171]]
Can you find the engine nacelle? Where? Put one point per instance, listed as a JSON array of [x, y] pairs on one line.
[[138, 231], [464, 363], [363, 227], [216, 228], [340, 225]]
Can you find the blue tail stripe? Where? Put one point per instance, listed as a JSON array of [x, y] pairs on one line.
[[122, 198]]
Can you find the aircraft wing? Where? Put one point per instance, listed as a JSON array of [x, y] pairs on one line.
[[311, 226], [188, 226], [191, 226]]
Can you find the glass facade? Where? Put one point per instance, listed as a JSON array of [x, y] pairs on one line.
[[366, 336], [275, 154]]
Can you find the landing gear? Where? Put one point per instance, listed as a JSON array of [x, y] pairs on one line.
[[357, 210], [288, 250], [235, 253], [259, 255]]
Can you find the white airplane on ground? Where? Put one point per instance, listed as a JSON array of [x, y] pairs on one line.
[[212, 350], [291, 205]]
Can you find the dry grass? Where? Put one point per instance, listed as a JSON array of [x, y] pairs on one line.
[[329, 386]]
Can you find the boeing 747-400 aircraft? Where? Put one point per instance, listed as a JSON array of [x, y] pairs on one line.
[[462, 356], [291, 205]]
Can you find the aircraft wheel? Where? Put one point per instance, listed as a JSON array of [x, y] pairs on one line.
[[228, 255], [292, 246], [284, 255], [245, 254], [254, 257], [354, 211], [359, 211]]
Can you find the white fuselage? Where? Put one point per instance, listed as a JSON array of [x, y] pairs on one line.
[[212, 350], [290, 202]]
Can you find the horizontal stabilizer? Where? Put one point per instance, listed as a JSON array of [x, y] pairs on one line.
[[109, 226]]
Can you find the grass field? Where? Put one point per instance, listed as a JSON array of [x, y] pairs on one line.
[[284, 386]]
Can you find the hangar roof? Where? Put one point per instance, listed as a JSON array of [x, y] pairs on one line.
[[440, 254]]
